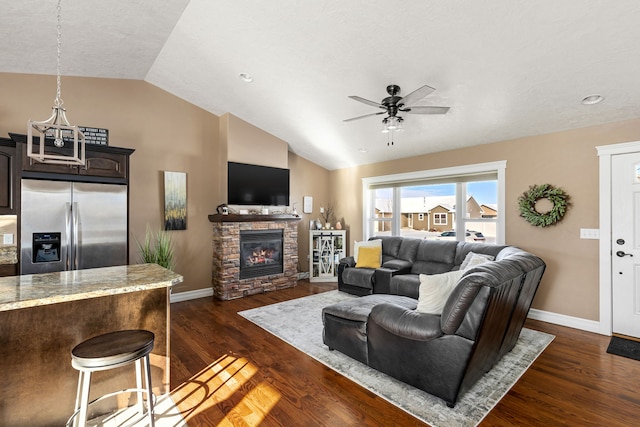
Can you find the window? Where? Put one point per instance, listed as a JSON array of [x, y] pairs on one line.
[[440, 219], [469, 198]]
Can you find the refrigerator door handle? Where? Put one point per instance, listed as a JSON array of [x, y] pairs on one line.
[[67, 219], [76, 253]]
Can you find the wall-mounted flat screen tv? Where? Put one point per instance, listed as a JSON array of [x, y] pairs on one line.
[[257, 185]]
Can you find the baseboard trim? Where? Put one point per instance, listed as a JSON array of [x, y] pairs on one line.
[[189, 295], [544, 316], [563, 320]]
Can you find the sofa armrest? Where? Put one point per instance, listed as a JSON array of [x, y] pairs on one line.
[[405, 323], [349, 262], [382, 278]]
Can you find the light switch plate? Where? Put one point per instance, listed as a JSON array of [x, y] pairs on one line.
[[590, 233], [7, 239]]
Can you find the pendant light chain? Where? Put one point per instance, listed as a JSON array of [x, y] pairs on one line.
[[56, 127], [58, 101]]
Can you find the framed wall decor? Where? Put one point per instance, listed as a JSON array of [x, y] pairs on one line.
[[175, 200], [307, 204]]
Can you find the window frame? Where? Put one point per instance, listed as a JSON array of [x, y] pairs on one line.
[[438, 221], [497, 167]]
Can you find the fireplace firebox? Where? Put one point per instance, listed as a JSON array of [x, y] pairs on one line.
[[260, 253]]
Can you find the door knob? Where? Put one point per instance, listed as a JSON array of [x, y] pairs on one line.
[[622, 254]]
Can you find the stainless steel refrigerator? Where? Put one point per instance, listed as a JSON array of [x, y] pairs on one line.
[[72, 226]]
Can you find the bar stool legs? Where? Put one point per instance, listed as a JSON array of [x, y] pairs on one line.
[[110, 351]]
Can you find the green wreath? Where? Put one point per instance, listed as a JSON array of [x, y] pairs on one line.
[[527, 203]]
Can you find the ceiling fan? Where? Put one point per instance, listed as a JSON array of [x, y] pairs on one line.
[[394, 104]]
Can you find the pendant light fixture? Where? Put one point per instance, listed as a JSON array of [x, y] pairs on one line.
[[57, 126]]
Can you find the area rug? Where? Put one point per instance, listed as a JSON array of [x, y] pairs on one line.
[[299, 323], [623, 347]]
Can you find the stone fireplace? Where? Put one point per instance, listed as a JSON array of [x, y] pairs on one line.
[[253, 254]]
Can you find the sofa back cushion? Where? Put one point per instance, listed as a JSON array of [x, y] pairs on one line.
[[390, 246], [434, 256], [395, 247], [464, 311]]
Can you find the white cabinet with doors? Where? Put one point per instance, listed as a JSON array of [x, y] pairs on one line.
[[326, 248]]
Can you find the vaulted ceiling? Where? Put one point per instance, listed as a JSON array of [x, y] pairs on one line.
[[507, 68]]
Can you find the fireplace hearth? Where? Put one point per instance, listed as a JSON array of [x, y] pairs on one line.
[[260, 253]]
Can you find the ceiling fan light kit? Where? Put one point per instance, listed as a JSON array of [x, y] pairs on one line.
[[394, 104]]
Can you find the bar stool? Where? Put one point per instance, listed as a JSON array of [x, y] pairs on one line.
[[109, 351]]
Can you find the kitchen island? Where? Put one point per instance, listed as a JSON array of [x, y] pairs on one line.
[[43, 316]]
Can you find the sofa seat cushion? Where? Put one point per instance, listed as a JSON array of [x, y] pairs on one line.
[[358, 309], [345, 323], [359, 277]]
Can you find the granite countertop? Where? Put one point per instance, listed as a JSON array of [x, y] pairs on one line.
[[50, 288], [8, 255]]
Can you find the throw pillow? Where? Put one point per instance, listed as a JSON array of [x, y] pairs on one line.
[[369, 257], [435, 290], [472, 259], [369, 243]]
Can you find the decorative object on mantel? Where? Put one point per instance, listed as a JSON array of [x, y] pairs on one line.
[[527, 204], [223, 209], [56, 126], [175, 200]]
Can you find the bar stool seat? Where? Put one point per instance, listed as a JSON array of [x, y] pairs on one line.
[[110, 351]]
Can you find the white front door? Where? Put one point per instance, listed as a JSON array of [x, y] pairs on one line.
[[625, 244]]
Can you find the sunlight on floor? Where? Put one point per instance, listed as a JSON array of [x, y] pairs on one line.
[[217, 383]]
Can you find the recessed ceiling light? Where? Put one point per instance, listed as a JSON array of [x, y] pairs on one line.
[[592, 99], [363, 150], [246, 77]]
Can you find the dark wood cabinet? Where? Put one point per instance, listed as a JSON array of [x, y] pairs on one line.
[[8, 270], [102, 163], [113, 165], [8, 186]]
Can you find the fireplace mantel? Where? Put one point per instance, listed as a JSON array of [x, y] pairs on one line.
[[251, 218]]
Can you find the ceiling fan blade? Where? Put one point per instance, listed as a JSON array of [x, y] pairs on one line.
[[416, 95], [426, 110], [366, 101], [362, 117]]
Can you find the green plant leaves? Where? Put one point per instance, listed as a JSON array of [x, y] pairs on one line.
[[156, 248]]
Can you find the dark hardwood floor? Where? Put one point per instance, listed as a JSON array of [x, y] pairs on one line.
[[226, 371]]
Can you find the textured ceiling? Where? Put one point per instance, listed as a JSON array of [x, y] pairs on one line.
[[506, 68]]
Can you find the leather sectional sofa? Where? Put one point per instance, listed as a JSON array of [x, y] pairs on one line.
[[442, 354]]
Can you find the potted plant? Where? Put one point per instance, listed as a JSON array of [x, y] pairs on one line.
[[156, 248]]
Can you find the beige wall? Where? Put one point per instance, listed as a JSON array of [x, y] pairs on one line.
[[249, 144], [310, 180], [565, 159], [167, 134]]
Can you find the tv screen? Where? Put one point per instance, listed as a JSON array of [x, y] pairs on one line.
[[257, 185]]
